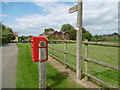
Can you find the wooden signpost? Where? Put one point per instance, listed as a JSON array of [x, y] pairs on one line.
[[78, 8]]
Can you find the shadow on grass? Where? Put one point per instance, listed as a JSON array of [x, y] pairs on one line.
[[59, 78]]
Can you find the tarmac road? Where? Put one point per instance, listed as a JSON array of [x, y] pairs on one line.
[[9, 61], [0, 67]]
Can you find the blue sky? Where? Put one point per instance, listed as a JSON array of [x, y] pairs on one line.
[[18, 9], [31, 18]]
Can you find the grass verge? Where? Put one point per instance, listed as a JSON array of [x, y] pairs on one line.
[[27, 72]]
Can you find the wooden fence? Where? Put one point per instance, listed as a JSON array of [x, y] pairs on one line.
[[86, 59]]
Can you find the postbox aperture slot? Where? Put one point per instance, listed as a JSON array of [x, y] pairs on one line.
[[42, 43]]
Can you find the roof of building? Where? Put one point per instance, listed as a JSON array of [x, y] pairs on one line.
[[15, 33], [50, 32], [63, 32], [53, 32]]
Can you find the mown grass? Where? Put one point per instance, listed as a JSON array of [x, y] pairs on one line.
[[27, 72], [100, 53], [114, 41]]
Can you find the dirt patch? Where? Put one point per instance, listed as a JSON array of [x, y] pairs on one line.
[[62, 68]]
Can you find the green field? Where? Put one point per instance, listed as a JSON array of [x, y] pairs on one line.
[[114, 41], [27, 72], [100, 53]]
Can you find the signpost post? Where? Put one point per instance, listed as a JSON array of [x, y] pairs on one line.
[[78, 8]]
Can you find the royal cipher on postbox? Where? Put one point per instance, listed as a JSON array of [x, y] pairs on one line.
[[39, 49]]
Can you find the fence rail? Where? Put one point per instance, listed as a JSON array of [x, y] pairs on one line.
[[86, 59], [65, 52], [90, 43], [102, 64]]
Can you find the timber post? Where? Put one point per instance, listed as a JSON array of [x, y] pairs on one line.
[[78, 8], [86, 56], [79, 41]]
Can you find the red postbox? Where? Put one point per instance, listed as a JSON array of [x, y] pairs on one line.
[[39, 49]]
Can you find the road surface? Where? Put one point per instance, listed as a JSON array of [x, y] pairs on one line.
[[9, 60], [0, 67]]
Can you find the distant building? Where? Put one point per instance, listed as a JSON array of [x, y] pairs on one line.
[[64, 35], [16, 36], [15, 33]]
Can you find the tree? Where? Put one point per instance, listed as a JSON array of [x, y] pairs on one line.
[[67, 27], [83, 30], [50, 36], [2, 26], [48, 30], [115, 33], [71, 30], [7, 33], [87, 35], [72, 34]]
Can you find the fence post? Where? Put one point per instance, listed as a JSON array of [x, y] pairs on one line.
[[65, 49], [53, 47], [86, 55]]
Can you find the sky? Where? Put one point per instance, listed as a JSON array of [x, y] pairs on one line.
[[31, 18]]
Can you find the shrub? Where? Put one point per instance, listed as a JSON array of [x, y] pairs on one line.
[[4, 40]]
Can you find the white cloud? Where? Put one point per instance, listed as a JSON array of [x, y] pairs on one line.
[[57, 16], [98, 18], [59, 0], [117, 19], [4, 15]]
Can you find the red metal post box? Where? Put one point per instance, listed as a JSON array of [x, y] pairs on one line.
[[39, 49]]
